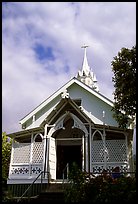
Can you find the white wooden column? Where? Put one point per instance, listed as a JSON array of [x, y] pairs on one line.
[[104, 142], [128, 153], [45, 155], [90, 138], [31, 155], [86, 151], [11, 158], [105, 153], [83, 153]]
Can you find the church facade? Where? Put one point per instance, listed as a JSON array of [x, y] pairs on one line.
[[75, 124]]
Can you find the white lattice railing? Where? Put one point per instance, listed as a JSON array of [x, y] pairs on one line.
[[115, 151], [26, 162], [37, 155], [113, 154], [25, 171], [21, 153], [19, 170], [99, 167]]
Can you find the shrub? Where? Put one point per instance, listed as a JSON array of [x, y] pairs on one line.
[[85, 188]]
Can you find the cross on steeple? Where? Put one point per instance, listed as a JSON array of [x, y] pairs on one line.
[[85, 74], [84, 46]]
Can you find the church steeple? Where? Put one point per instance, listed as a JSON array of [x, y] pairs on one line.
[[85, 74], [85, 66]]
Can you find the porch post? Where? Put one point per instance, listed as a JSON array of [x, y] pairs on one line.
[[104, 142], [45, 152], [31, 155], [86, 151], [11, 158], [128, 153], [105, 149], [90, 138], [83, 153]]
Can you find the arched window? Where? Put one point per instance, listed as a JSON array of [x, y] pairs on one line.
[[97, 135], [38, 138]]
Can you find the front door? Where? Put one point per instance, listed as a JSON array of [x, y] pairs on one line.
[[67, 154]]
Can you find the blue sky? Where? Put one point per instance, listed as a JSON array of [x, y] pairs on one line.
[[41, 49]]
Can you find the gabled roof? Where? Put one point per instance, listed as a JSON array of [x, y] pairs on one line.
[[62, 89], [66, 105]]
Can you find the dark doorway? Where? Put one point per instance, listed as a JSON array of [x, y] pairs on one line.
[[67, 154]]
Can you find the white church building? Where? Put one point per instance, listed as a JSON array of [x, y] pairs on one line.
[[74, 124]]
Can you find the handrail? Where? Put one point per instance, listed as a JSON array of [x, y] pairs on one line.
[[31, 185], [66, 167]]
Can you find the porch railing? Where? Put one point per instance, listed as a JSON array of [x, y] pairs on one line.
[[65, 170]]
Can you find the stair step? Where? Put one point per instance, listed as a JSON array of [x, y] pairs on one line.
[[54, 188], [51, 196]]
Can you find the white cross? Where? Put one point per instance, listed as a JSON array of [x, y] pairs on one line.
[[84, 46]]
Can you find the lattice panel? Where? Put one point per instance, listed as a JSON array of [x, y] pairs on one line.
[[99, 168], [37, 152], [21, 153], [116, 151], [97, 151], [20, 170], [36, 169]]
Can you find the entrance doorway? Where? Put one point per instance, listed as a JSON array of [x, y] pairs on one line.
[[67, 154]]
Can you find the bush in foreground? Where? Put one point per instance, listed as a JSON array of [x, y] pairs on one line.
[[85, 188]]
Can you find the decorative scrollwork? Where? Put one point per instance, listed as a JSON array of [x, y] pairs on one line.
[[20, 170]]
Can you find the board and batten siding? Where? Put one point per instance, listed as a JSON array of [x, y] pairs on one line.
[[93, 104], [90, 103]]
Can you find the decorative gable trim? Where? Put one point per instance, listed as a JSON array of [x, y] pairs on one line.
[[62, 90], [59, 124], [59, 108]]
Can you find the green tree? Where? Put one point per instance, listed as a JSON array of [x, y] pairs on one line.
[[6, 153], [124, 68]]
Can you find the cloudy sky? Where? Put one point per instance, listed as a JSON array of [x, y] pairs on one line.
[[41, 49]]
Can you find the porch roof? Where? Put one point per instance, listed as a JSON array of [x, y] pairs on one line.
[[25, 132]]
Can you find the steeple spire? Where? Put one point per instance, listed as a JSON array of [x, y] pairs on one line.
[[85, 74], [85, 66]]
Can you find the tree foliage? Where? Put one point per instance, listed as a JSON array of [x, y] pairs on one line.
[[6, 153], [124, 69]]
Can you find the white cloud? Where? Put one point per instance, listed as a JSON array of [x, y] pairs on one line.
[[64, 27]]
